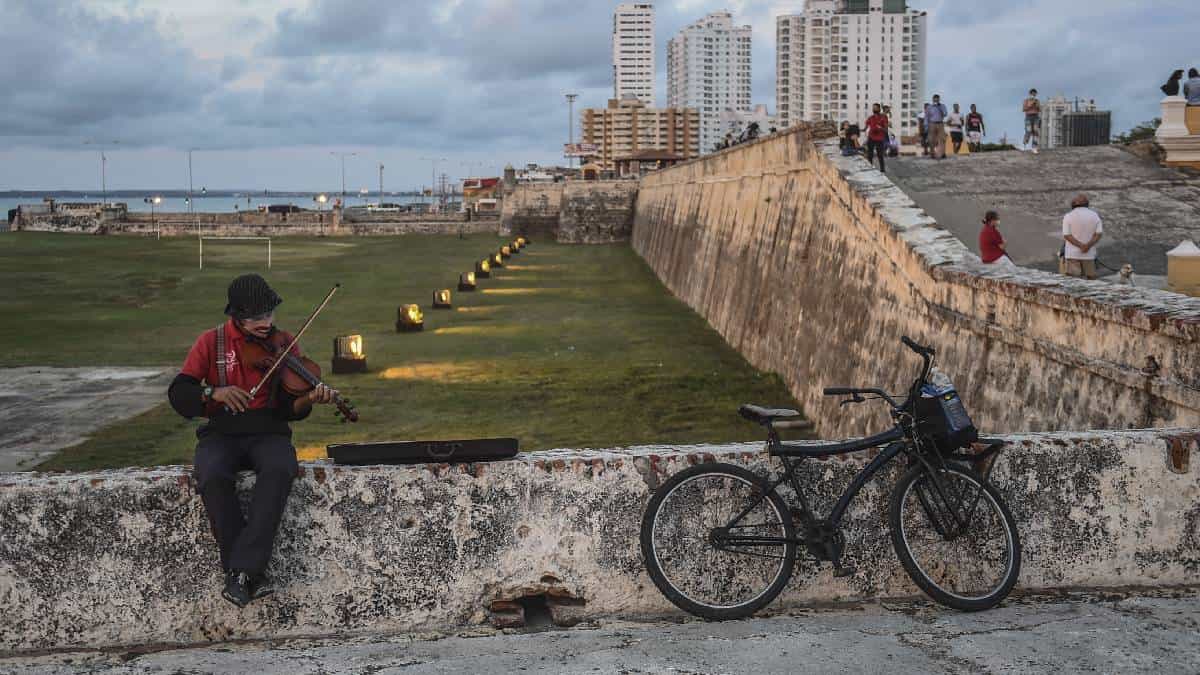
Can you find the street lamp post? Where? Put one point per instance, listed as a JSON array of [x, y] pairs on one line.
[[103, 168], [571, 123], [432, 174], [343, 156], [381, 185], [153, 202]]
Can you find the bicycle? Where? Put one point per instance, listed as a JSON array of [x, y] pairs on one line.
[[720, 542]]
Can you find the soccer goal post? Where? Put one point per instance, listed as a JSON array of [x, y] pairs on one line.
[[204, 239]]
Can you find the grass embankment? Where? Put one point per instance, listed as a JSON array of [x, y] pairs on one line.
[[570, 346]]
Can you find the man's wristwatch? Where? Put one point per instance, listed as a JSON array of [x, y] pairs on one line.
[[206, 394]]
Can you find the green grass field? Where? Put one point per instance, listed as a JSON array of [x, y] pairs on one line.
[[571, 346]]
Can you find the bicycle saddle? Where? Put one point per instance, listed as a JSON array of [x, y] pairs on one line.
[[761, 415]]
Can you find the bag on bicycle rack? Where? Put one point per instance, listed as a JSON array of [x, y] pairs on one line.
[[942, 417]]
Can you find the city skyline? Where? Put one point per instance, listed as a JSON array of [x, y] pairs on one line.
[[265, 91]]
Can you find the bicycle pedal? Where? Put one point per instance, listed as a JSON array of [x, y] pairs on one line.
[[843, 572]]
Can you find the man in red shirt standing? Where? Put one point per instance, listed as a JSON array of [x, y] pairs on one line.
[[991, 242], [242, 432], [877, 136]]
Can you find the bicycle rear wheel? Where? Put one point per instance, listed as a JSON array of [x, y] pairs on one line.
[[703, 557], [959, 543]]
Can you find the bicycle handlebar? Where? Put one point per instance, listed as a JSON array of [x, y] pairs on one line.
[[926, 353], [923, 351]]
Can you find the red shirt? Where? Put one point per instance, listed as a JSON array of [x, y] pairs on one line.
[[990, 242], [201, 363], [877, 127]]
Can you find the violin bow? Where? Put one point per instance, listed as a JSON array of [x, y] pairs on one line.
[[295, 339]]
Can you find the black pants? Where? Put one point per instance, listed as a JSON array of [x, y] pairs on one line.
[[245, 544], [877, 148]]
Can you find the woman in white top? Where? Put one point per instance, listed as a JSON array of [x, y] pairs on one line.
[[954, 122]]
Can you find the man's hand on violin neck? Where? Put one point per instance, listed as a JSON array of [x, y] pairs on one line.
[[233, 397], [322, 393]]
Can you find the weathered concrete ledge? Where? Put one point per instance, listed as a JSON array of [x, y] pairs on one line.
[[125, 557]]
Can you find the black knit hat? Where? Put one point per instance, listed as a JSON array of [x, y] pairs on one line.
[[249, 295]]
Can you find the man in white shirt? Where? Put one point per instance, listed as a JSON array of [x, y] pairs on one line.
[[1082, 230]]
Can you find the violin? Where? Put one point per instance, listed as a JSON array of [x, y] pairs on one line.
[[298, 374]]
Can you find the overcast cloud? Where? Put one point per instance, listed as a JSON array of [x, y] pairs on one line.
[[264, 91]]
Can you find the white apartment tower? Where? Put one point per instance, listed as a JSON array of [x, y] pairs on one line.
[[838, 57], [633, 52], [708, 68]]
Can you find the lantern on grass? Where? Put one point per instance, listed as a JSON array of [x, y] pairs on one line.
[[516, 248], [506, 251], [483, 269], [348, 355], [441, 299], [409, 319], [523, 242], [466, 282], [497, 260]]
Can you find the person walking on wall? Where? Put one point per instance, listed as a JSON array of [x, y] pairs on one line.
[[975, 129], [242, 432], [935, 121], [955, 123], [877, 136], [1191, 88], [1082, 230], [1032, 108], [991, 243], [923, 130]]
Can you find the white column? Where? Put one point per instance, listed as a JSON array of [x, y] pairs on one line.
[[1174, 118]]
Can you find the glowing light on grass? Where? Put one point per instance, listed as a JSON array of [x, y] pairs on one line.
[[311, 454], [466, 282], [506, 252], [441, 299], [483, 269], [349, 355], [511, 291], [497, 260], [409, 319], [447, 371]]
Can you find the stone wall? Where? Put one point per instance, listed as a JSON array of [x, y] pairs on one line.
[[813, 265], [575, 212], [254, 223], [125, 557]]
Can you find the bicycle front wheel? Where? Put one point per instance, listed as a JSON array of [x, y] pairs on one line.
[[955, 537], [718, 542]]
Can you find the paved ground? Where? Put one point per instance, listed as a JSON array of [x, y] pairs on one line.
[[1147, 209], [43, 410], [1098, 634]]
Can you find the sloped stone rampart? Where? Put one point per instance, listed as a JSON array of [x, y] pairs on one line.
[[125, 557], [813, 265]]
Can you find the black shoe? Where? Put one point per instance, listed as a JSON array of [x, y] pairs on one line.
[[237, 588], [260, 586]]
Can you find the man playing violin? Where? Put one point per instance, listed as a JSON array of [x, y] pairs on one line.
[[243, 432]]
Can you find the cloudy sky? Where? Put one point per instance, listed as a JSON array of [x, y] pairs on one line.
[[264, 91]]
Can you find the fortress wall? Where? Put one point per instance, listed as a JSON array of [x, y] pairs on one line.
[[813, 265], [575, 212], [122, 558]]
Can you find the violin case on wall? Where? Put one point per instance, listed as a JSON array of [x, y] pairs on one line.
[[424, 452]]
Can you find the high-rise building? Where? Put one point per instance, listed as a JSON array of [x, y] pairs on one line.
[[1072, 123], [627, 127], [633, 51], [839, 57], [708, 68]]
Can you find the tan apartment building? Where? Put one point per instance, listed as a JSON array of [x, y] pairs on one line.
[[627, 127]]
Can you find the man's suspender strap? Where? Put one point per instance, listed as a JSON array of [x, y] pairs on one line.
[[222, 367]]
